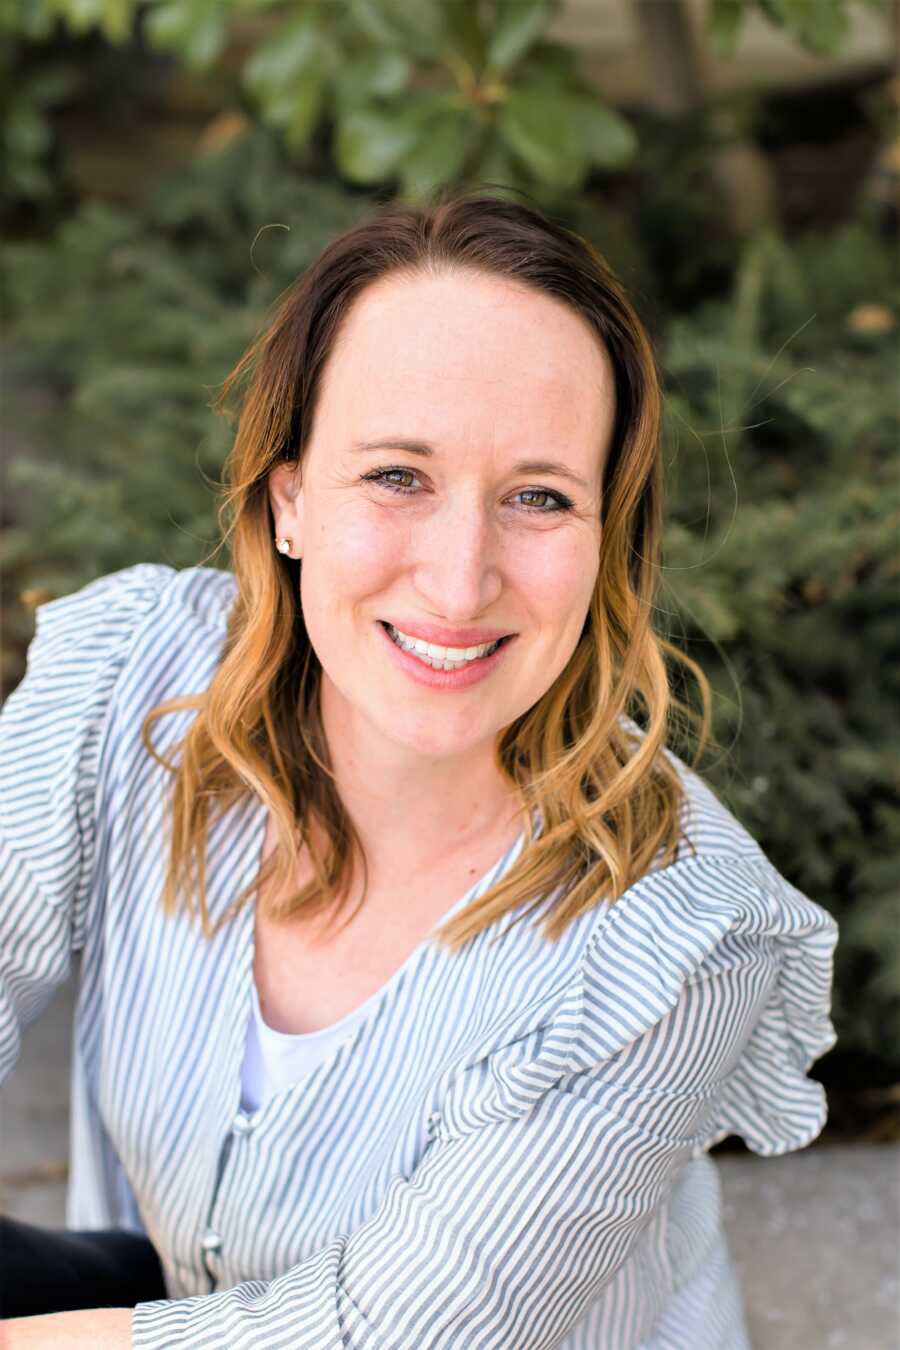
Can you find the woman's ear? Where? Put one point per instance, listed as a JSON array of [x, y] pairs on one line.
[[286, 501]]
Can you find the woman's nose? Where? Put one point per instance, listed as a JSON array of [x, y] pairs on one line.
[[457, 570]]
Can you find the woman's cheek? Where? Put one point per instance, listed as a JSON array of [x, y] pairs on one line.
[[361, 545], [556, 571]]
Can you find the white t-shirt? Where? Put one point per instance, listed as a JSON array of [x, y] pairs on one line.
[[275, 1060]]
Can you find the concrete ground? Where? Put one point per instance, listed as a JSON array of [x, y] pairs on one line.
[[814, 1234]]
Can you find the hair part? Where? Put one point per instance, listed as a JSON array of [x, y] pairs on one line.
[[608, 789]]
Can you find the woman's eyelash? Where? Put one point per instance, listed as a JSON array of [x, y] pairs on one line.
[[380, 476]]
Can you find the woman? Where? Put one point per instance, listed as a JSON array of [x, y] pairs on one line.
[[418, 977]]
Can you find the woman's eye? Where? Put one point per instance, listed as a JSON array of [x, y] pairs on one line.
[[381, 476], [558, 502], [561, 503]]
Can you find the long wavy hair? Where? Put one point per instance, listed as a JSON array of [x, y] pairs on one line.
[[593, 754]]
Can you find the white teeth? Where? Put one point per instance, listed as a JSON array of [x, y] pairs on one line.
[[440, 658]]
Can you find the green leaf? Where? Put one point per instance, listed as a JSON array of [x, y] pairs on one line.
[[195, 29], [26, 132], [27, 180], [50, 84], [309, 97], [537, 124], [378, 74], [291, 52], [370, 143], [80, 15], [116, 20], [723, 24], [465, 34], [288, 75], [818, 25], [385, 73], [418, 27], [440, 154], [516, 26], [497, 165], [422, 24], [606, 138], [27, 18], [373, 23]]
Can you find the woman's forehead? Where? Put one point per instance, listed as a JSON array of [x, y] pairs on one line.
[[467, 351], [466, 320]]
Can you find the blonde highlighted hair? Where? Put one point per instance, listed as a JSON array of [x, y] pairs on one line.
[[608, 790]]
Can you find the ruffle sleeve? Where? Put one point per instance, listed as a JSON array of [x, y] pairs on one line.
[[51, 742], [719, 959], [722, 963], [761, 952]]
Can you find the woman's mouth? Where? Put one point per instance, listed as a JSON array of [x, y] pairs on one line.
[[441, 658], [434, 669]]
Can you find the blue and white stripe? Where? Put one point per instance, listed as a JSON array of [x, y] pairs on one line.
[[509, 1152]]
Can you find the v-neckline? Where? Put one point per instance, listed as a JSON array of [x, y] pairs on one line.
[[370, 1009]]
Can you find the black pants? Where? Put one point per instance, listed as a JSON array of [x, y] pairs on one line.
[[46, 1270]]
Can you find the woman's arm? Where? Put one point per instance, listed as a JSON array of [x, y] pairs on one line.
[[93, 1329], [51, 735]]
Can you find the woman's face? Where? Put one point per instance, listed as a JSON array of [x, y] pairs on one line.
[[490, 376]]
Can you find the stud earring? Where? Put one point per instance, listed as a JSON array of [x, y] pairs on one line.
[[283, 545]]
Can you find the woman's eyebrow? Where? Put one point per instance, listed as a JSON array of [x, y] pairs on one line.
[[414, 447]]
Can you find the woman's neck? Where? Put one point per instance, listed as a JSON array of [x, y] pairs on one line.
[[409, 814]]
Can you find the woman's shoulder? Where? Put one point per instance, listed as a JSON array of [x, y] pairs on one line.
[[678, 918], [148, 612], [134, 593], [122, 640], [150, 630]]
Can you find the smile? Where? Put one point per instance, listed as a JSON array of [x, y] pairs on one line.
[[441, 658], [442, 668]]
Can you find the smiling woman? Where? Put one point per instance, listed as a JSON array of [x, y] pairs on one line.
[[402, 455], [324, 1068]]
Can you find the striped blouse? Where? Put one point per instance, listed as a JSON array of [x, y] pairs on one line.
[[511, 1148]]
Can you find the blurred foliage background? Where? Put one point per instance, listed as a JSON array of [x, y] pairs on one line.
[[171, 166]]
